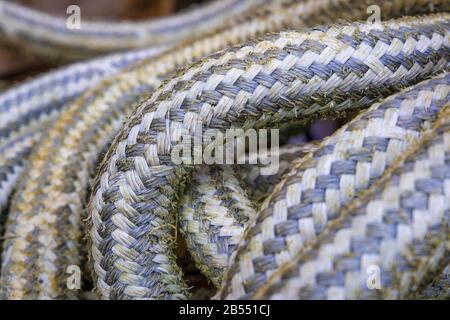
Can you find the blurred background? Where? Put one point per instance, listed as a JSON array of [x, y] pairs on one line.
[[14, 68]]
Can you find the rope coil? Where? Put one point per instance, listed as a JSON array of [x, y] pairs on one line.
[[115, 193], [49, 36], [285, 76], [312, 195]]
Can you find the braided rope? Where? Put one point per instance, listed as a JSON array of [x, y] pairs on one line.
[[131, 227], [113, 95], [311, 196], [64, 200], [40, 101], [260, 186], [215, 208], [11, 167], [28, 108], [134, 192], [56, 87], [400, 224], [213, 213], [48, 93], [49, 36]]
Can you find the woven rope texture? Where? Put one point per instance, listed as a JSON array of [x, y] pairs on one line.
[[87, 177]]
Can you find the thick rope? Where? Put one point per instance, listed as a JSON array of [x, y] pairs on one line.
[[30, 107], [27, 109], [400, 224], [215, 208], [134, 193], [312, 195], [39, 101], [132, 221], [214, 211], [115, 96], [49, 36]]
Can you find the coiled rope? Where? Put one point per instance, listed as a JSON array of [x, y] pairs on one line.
[[26, 109], [134, 194], [283, 77], [401, 223], [30, 107], [49, 36], [313, 194], [215, 208]]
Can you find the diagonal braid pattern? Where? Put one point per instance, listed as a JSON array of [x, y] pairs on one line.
[[326, 71], [287, 75], [400, 225], [342, 167], [95, 116], [215, 208], [28, 108], [57, 177], [214, 211]]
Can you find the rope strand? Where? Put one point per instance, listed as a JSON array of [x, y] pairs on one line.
[[138, 183], [54, 131]]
